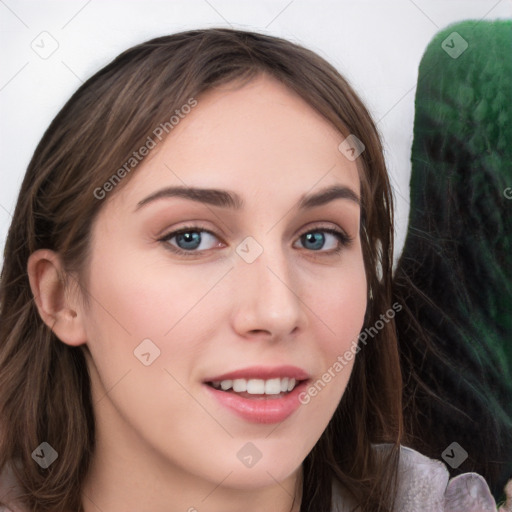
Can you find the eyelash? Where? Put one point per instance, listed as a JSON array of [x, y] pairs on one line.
[[343, 238]]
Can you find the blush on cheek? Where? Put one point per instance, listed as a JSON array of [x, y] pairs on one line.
[[133, 301]]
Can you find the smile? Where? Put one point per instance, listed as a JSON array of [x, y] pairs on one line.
[[259, 395], [274, 386]]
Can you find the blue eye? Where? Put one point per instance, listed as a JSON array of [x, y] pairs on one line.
[[316, 240], [188, 240]]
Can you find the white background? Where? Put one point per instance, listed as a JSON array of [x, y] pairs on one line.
[[376, 44]]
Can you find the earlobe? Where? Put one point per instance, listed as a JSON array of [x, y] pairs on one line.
[[53, 300]]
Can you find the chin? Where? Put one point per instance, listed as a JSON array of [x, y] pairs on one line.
[[263, 474]]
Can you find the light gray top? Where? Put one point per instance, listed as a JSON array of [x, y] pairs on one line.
[[424, 485]]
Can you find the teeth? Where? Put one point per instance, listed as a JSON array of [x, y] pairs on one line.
[[273, 386], [226, 384], [257, 386], [239, 385]]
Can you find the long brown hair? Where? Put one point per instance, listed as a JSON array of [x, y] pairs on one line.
[[45, 390]]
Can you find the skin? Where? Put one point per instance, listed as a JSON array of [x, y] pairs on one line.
[[163, 443]]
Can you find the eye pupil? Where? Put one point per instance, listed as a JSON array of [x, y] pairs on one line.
[[192, 240], [317, 238], [188, 240]]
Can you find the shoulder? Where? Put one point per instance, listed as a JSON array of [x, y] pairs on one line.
[[424, 484]]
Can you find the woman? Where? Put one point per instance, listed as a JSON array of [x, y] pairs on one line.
[[196, 307]]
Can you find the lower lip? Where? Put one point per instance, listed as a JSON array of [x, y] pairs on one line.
[[260, 410]]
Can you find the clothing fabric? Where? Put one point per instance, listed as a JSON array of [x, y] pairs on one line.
[[424, 485]]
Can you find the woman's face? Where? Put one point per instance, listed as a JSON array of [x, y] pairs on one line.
[[261, 292]]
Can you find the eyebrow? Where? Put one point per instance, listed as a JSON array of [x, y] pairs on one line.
[[227, 199]]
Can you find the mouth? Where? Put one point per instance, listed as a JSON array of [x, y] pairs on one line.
[[259, 395], [257, 388]]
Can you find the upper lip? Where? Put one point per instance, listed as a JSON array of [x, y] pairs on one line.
[[263, 372]]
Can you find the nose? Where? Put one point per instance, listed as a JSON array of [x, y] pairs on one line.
[[267, 298]]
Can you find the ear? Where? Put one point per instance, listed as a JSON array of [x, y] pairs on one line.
[[58, 309]]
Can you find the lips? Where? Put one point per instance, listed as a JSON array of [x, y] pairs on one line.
[[259, 394]]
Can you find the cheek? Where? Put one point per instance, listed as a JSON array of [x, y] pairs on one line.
[[143, 307], [341, 305], [136, 299], [141, 300]]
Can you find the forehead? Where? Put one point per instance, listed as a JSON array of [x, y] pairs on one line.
[[259, 138]]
